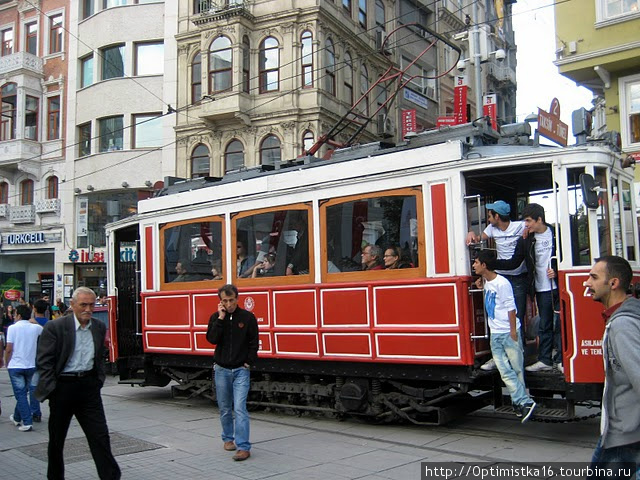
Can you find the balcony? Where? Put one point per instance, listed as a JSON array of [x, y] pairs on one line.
[[13, 151], [21, 61], [227, 107], [48, 205], [22, 214], [501, 73], [215, 10], [4, 209]]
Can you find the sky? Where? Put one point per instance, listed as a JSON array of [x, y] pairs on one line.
[[538, 78]]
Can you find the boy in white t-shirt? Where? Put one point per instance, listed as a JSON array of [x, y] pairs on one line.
[[505, 339]]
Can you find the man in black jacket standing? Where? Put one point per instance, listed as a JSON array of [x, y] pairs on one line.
[[234, 332]]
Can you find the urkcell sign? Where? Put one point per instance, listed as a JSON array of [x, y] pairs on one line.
[[25, 238]]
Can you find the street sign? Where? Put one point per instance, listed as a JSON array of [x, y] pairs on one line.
[[550, 125], [446, 120]]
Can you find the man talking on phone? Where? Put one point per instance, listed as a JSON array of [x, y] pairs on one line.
[[234, 332]]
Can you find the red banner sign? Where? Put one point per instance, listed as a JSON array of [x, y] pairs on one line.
[[460, 99], [446, 121], [408, 121], [490, 109]]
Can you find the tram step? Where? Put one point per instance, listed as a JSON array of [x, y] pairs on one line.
[[540, 412], [131, 381]]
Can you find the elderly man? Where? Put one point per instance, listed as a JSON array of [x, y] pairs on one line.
[[70, 363], [619, 441], [372, 258]]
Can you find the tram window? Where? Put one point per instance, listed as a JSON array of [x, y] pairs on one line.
[[192, 252], [386, 222], [578, 219], [604, 232], [272, 244], [627, 213]]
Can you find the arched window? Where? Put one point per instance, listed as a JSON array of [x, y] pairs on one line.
[[4, 192], [364, 86], [246, 64], [200, 161], [380, 15], [26, 192], [196, 78], [52, 187], [8, 121], [307, 140], [348, 78], [220, 65], [306, 56], [269, 65], [270, 150], [234, 156], [330, 67]]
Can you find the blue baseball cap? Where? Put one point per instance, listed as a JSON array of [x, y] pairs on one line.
[[500, 207]]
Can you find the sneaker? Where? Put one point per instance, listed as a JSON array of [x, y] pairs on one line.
[[25, 428], [527, 410], [229, 446], [17, 424], [538, 367], [37, 418], [560, 367], [490, 365], [517, 409]]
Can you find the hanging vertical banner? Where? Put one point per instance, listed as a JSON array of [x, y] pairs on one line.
[[460, 98], [490, 109], [82, 224], [408, 121]]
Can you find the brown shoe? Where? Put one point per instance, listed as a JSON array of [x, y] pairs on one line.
[[241, 455], [229, 446]]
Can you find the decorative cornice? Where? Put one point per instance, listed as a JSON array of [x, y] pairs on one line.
[[597, 53]]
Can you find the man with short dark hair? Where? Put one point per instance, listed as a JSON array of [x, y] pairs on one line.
[[619, 441], [70, 363], [234, 332], [40, 308]]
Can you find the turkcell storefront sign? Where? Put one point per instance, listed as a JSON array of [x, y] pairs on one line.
[[25, 238], [416, 98]]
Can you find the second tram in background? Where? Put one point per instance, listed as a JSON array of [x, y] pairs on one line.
[[400, 343]]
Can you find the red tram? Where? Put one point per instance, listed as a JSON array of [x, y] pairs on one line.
[[403, 343]]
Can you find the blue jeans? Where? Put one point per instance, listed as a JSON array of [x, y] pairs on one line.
[[24, 385], [232, 389], [549, 329], [509, 359], [519, 286], [613, 458]]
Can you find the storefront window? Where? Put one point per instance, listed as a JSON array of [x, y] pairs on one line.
[[103, 208]]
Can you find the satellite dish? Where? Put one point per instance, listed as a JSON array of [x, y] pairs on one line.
[[589, 190]]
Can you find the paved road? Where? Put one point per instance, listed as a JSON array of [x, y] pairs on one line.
[[156, 437]]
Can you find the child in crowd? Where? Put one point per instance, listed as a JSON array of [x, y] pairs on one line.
[[506, 341]]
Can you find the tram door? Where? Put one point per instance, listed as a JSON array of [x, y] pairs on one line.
[[127, 282]]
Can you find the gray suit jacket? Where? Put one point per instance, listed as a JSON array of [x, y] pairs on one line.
[[55, 348]]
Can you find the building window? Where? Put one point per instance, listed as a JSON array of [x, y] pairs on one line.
[[7, 41], [149, 58], [110, 131], [246, 65], [31, 38], [4, 193], [86, 71], [84, 137], [52, 187], [607, 9], [26, 192], [53, 118], [307, 140], [234, 156], [346, 4], [31, 118], [330, 67], [629, 88], [112, 62], [362, 13], [306, 56], [269, 65], [147, 130], [220, 65], [270, 150], [55, 33], [87, 8], [348, 78], [8, 122], [364, 87], [113, 3], [380, 16], [196, 78], [200, 162]]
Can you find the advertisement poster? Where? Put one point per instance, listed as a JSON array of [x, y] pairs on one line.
[[12, 286]]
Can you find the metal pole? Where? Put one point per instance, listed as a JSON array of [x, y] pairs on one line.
[[477, 57]]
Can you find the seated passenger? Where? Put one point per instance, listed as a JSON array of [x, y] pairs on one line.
[[216, 270], [182, 269], [266, 268], [371, 258], [244, 262], [392, 259], [299, 263]]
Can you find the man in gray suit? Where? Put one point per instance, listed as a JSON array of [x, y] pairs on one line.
[[70, 363]]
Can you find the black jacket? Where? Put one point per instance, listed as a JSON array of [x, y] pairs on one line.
[[235, 338], [526, 250]]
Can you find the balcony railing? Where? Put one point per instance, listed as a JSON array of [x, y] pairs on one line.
[[212, 10], [21, 61], [48, 205], [502, 73], [22, 214], [4, 208]]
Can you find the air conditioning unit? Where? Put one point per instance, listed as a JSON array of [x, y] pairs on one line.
[[385, 126]]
